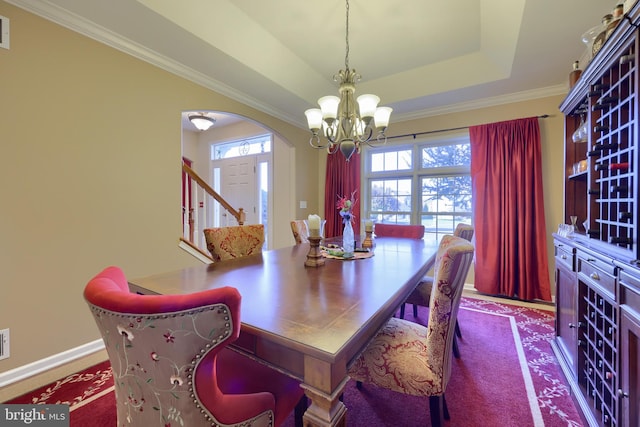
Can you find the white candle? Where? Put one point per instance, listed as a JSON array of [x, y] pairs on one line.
[[314, 225], [368, 225]]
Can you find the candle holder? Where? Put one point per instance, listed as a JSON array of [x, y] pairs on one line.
[[314, 257], [368, 241]]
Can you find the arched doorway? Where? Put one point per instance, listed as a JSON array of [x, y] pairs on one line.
[[228, 156]]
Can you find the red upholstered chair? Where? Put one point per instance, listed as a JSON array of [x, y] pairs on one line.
[[414, 359], [171, 364], [226, 243], [300, 232], [399, 230]]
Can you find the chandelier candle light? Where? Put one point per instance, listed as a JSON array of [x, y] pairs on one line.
[[345, 123]]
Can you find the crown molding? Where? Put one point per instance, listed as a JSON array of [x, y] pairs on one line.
[[81, 25], [486, 102]]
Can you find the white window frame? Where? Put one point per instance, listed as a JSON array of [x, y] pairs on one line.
[[416, 173]]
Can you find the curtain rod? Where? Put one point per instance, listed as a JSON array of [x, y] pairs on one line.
[[414, 135]]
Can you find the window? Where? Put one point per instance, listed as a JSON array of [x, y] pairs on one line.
[[256, 145], [427, 182]]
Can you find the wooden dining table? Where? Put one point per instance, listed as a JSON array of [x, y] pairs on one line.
[[309, 322]]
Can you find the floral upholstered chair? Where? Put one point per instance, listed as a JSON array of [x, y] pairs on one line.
[[300, 232], [414, 359], [226, 243], [422, 294], [170, 361]]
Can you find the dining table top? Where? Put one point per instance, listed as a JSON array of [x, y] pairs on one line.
[[327, 312]]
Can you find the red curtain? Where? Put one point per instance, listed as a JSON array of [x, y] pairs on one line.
[[510, 231], [342, 179]]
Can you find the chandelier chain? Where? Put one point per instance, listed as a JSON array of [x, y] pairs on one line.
[[346, 56], [347, 122]]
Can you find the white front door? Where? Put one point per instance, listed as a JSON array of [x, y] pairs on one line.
[[238, 186]]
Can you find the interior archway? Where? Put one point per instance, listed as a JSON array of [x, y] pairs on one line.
[[196, 146]]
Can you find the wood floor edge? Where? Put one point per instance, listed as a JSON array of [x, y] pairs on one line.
[[471, 292]]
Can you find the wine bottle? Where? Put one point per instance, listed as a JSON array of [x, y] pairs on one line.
[[603, 147], [593, 232], [600, 128], [620, 189], [608, 100], [605, 103], [625, 216], [598, 89], [602, 166], [594, 191], [574, 75], [619, 166], [624, 59], [620, 240]]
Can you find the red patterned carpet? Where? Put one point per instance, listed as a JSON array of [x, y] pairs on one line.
[[506, 376]]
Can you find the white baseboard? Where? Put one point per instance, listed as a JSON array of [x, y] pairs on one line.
[[23, 372]]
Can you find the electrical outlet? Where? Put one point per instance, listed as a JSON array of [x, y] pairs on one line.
[[4, 344]]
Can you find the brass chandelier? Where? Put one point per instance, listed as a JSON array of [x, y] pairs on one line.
[[345, 124]]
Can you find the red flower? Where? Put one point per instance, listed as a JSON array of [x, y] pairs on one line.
[[345, 206], [169, 337]]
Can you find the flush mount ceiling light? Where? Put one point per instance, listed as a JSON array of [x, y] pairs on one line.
[[201, 122], [345, 123]]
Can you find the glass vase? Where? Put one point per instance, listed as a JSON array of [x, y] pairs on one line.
[[348, 238]]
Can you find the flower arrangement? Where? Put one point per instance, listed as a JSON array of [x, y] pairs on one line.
[[345, 206]]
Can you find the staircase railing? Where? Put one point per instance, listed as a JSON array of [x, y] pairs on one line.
[[200, 203]]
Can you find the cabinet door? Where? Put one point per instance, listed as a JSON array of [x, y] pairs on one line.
[[630, 369], [566, 315]]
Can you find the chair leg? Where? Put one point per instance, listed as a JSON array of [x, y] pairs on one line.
[[298, 412], [458, 333], [436, 408], [445, 408], [456, 350], [402, 311], [415, 310]]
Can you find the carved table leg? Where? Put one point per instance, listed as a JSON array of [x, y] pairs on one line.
[[325, 410]]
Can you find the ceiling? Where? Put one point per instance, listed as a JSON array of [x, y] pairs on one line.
[[421, 57]]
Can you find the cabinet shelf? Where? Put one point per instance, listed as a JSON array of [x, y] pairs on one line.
[[579, 176]]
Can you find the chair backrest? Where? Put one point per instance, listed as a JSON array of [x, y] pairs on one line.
[[162, 350], [452, 265], [226, 243], [464, 230], [299, 230], [399, 230]]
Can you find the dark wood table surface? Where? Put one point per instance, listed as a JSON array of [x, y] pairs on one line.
[[309, 322]]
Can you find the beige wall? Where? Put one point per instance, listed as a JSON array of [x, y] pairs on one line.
[[90, 146]]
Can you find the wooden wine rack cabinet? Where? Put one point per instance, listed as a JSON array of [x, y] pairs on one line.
[[597, 269]]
